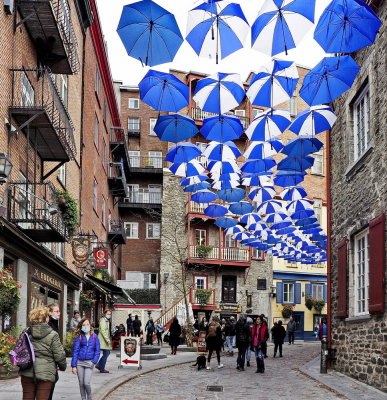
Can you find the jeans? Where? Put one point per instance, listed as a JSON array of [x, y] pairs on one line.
[[241, 355], [291, 337], [248, 354], [102, 361], [39, 390], [84, 378], [229, 340]]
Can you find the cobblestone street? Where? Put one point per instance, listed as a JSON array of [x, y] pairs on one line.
[[282, 379]]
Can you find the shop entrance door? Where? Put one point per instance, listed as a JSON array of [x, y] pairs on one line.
[[298, 316]]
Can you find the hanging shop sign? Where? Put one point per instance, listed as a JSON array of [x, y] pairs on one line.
[[234, 308], [101, 258], [81, 251], [130, 352]]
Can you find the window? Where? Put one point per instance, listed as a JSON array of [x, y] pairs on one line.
[[200, 282], [200, 237], [134, 103], [96, 132], [104, 110], [240, 113], [261, 284], [256, 112], [155, 159], [60, 250], [258, 254], [104, 154], [317, 209], [103, 211], [150, 281], [134, 158], [133, 125], [293, 106], [62, 174], [153, 231], [27, 92], [63, 87], [95, 195], [97, 82], [230, 242], [131, 229], [361, 116], [202, 159], [361, 273], [288, 292], [318, 165], [318, 292], [152, 123], [154, 193], [229, 286]]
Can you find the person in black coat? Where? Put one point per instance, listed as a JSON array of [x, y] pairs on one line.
[[243, 338], [174, 335], [278, 334], [137, 326]]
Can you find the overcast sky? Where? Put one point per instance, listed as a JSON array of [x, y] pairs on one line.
[[130, 71]]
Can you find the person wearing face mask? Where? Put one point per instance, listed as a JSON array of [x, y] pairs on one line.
[[86, 350], [105, 339], [54, 315]]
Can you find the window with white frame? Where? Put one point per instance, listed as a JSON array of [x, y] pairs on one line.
[[133, 125], [104, 164], [103, 211], [361, 119], [95, 195], [63, 87], [134, 104], [230, 242], [200, 282], [318, 165], [62, 174], [256, 112], [152, 123], [361, 273], [317, 205], [96, 132], [134, 158], [153, 231], [97, 82], [202, 159], [318, 292], [155, 159], [131, 229], [27, 92], [200, 237], [288, 292], [258, 254], [293, 106], [60, 250], [150, 281]]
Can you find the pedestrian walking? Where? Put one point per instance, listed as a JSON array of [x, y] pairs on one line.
[[75, 321], [291, 329], [38, 380], [174, 335], [214, 341], [159, 331], [137, 326], [322, 331], [278, 335], [54, 316], [229, 331], [129, 326], [249, 323], [105, 340], [86, 350], [150, 330], [260, 335], [264, 322], [203, 324], [242, 337]]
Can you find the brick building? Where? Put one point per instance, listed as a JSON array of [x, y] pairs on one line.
[[358, 205]]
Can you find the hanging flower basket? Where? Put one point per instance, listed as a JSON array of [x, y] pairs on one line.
[[309, 302], [7, 343], [9, 293], [287, 310], [69, 210], [319, 305]]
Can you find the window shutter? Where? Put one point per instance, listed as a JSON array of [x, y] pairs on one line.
[[342, 267], [308, 289], [325, 293], [279, 293], [377, 257], [297, 293]]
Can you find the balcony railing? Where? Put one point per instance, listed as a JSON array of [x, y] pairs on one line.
[[117, 180], [143, 196], [199, 115], [198, 208], [32, 207], [147, 162], [116, 232], [197, 299], [134, 131], [223, 254], [119, 146], [49, 24], [37, 106]]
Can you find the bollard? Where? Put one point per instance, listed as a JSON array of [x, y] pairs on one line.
[[324, 356]]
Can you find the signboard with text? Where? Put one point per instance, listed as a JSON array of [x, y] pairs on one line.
[[101, 258], [202, 343], [130, 352]]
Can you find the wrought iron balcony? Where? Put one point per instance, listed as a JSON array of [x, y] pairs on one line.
[[219, 254], [119, 147], [50, 27], [32, 207], [116, 232], [134, 131], [142, 198], [147, 164], [198, 115], [39, 112], [117, 180]]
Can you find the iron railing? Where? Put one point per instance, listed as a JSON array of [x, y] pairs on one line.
[[117, 135], [143, 196], [147, 162], [222, 253]]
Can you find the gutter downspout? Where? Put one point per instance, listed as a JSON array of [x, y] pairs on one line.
[[329, 251]]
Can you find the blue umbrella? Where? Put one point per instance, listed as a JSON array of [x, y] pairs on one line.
[[226, 222], [254, 166], [231, 195], [269, 207], [203, 196], [189, 169], [346, 26], [241, 208], [302, 146], [197, 186], [293, 193], [175, 128], [281, 25], [280, 225], [302, 214], [268, 125], [259, 150], [249, 219], [298, 205], [296, 163], [219, 93], [215, 31], [273, 84], [305, 222], [331, 77], [223, 167], [163, 91], [262, 194], [285, 231], [215, 210], [149, 33], [222, 151], [222, 128], [193, 179], [183, 153], [313, 120], [288, 178]]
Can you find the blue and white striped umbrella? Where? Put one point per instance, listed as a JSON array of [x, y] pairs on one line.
[[223, 167], [191, 168], [215, 31], [299, 205], [259, 150], [183, 152], [249, 219], [222, 128], [293, 193], [221, 151], [281, 25], [243, 236], [197, 186], [219, 93], [233, 176], [203, 196], [257, 227], [241, 208], [275, 218], [262, 194], [193, 179], [215, 210], [313, 121], [268, 125], [234, 229], [221, 185], [255, 180], [226, 222], [273, 84]]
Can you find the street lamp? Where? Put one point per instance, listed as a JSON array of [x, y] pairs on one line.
[[272, 291], [5, 167]]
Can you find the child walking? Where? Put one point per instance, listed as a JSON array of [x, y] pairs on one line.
[[86, 351]]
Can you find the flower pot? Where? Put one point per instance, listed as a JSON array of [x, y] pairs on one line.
[[5, 374]]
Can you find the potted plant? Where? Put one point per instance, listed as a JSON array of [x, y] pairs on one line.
[[309, 302], [69, 210], [86, 300], [319, 305], [287, 310], [7, 343], [202, 295], [9, 293], [68, 344], [203, 250]]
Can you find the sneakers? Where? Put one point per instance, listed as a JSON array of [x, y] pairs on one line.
[[208, 367], [97, 366], [220, 366], [104, 372], [248, 363]]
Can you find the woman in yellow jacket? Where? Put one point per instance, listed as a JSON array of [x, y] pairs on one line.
[[104, 336]]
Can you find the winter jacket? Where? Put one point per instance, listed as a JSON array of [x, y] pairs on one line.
[[54, 323], [242, 333], [84, 349], [229, 329], [291, 326], [137, 325], [214, 341], [278, 333], [150, 326], [104, 335], [74, 323], [260, 334], [174, 334], [49, 354]]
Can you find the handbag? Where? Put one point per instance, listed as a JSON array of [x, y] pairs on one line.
[[166, 338]]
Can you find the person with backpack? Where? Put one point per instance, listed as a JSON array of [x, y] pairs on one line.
[[86, 350], [150, 330], [38, 379], [243, 335], [105, 340], [214, 340], [229, 332]]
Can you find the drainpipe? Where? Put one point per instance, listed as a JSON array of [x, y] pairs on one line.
[[329, 231]]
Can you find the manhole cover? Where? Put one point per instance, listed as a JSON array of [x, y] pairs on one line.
[[214, 388]]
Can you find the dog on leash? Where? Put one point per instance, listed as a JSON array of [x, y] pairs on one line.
[[200, 362]]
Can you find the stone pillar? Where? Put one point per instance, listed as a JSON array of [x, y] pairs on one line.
[[64, 311], [22, 276]]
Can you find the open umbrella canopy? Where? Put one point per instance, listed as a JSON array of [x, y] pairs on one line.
[[215, 210], [281, 25], [226, 222], [233, 176], [241, 208], [223, 167], [222, 128], [234, 229], [275, 218], [193, 179], [203, 196], [222, 151], [259, 150], [216, 31], [273, 84], [197, 186], [149, 33], [305, 222], [293, 193], [183, 153], [254, 166], [188, 169], [346, 26], [175, 128], [255, 179], [296, 163], [302, 214], [302, 146], [163, 91], [262, 194], [268, 125], [331, 77], [288, 178], [226, 184], [299, 205], [269, 207], [231, 195], [313, 120], [219, 93]]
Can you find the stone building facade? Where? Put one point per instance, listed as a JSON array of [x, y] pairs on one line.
[[358, 206]]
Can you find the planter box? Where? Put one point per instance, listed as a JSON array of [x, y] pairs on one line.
[[4, 374]]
